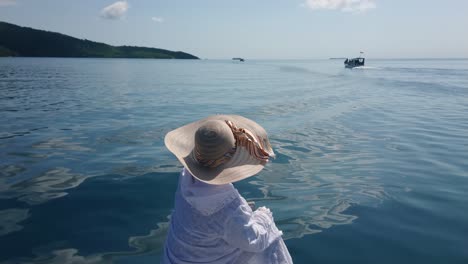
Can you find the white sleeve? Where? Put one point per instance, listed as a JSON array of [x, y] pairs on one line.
[[251, 231]]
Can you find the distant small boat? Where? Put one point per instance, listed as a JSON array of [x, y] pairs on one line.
[[239, 59], [355, 62]]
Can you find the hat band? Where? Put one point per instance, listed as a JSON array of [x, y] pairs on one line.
[[244, 138], [213, 163], [247, 139]]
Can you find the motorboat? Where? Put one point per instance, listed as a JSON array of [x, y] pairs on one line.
[[354, 62]]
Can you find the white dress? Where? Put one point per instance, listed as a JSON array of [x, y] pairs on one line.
[[214, 224]]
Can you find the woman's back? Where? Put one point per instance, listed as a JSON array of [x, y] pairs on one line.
[[199, 227]]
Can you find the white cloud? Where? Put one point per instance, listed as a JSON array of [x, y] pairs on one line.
[[115, 11], [7, 2], [343, 5], [157, 19]]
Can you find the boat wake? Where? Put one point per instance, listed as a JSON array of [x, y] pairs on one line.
[[366, 68]]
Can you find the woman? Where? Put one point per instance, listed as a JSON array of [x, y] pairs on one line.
[[212, 222]]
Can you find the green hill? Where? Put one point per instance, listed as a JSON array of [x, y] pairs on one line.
[[29, 42]]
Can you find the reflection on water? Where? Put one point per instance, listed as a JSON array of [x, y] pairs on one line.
[[10, 171], [320, 178], [150, 244], [10, 219], [85, 176], [61, 144], [50, 185]]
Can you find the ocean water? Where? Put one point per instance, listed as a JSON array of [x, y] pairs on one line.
[[371, 167]]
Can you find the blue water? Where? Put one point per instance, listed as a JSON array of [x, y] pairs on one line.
[[372, 163]]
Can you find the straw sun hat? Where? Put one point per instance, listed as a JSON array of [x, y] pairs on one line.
[[221, 149]]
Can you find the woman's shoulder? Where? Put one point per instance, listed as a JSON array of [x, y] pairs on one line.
[[227, 204], [237, 207], [204, 198]]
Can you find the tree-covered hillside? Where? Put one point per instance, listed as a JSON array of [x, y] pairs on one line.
[[29, 42]]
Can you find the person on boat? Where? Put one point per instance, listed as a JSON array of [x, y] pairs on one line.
[[212, 222]]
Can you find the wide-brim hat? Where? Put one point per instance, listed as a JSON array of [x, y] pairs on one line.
[[221, 149]]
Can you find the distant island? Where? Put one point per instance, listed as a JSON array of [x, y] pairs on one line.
[[20, 41]]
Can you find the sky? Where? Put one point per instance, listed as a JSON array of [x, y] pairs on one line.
[[259, 29]]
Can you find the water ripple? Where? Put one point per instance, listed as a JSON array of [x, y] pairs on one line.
[[10, 219], [382, 145], [50, 185]]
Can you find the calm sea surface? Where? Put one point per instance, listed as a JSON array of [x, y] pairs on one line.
[[372, 163]]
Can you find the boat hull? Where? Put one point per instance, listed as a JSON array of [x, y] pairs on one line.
[[355, 62]]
